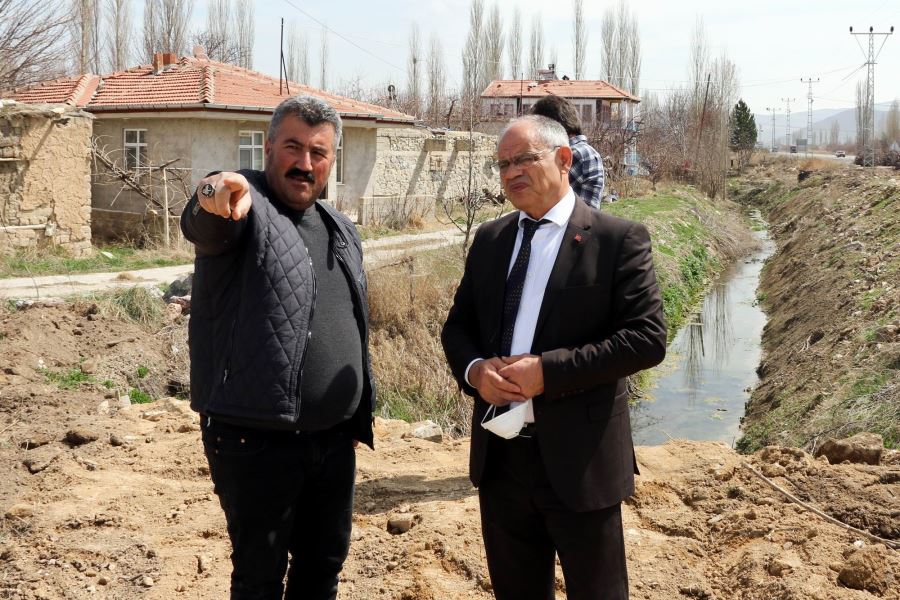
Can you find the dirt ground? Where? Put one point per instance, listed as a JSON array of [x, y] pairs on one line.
[[100, 498]]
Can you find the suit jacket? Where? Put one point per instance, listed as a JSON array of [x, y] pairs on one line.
[[601, 320]]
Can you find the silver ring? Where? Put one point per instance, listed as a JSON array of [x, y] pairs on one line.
[[208, 190]]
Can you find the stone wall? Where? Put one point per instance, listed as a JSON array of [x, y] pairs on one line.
[[429, 165], [45, 193]]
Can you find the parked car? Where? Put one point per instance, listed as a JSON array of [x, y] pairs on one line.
[[840, 153], [793, 149]]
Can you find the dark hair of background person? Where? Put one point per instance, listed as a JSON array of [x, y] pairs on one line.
[[560, 110]]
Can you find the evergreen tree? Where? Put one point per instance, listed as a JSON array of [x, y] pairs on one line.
[[743, 131]]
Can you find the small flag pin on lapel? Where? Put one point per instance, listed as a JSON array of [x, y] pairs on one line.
[[577, 238]]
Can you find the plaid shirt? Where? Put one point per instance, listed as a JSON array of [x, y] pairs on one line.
[[586, 175]]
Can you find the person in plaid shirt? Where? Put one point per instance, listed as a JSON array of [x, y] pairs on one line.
[[586, 176]]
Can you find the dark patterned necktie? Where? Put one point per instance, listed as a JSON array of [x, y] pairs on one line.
[[515, 282]]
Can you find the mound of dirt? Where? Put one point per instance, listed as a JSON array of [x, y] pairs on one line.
[[102, 498], [831, 364]]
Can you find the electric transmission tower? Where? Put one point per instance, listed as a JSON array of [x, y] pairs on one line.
[[774, 148], [787, 126], [809, 97], [868, 122]]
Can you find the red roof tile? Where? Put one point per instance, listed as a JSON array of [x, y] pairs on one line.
[[567, 88], [189, 83]]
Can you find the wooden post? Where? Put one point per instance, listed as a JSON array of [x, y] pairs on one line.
[[166, 207]]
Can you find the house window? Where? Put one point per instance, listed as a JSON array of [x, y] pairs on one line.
[[135, 148], [339, 161], [250, 150], [587, 115]]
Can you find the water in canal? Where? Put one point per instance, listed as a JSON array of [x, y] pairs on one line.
[[710, 368]]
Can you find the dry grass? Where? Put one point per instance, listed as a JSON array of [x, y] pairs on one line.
[[137, 304], [819, 164], [408, 304]]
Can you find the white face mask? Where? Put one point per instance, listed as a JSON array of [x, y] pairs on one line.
[[509, 424]]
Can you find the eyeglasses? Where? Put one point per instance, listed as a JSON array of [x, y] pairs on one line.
[[523, 161]]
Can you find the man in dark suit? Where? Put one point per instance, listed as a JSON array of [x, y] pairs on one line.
[[557, 306]]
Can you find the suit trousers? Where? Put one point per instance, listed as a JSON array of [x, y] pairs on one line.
[[283, 492], [525, 525]]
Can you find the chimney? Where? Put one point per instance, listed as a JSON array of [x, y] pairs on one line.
[[548, 74], [157, 62], [200, 53], [169, 58]]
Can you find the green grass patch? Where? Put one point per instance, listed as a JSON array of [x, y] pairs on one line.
[[57, 261], [142, 371], [139, 397], [784, 416], [868, 384], [869, 297], [68, 379]]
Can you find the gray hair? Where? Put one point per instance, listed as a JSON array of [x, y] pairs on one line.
[[310, 110], [548, 132]]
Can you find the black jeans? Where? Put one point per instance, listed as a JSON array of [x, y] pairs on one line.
[[283, 492]]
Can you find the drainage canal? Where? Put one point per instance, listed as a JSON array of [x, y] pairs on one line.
[[700, 390]]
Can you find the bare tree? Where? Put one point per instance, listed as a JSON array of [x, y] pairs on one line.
[[579, 39], [698, 65], [536, 47], [436, 89], [323, 60], [494, 47], [863, 118], [473, 59], [609, 40], [632, 59], [150, 42], [621, 47], [514, 43], [414, 71], [245, 29], [834, 136], [119, 32], [218, 39], [85, 32], [166, 26], [892, 124], [297, 55], [32, 42]]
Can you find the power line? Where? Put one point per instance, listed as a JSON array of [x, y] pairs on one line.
[[868, 133], [345, 38], [787, 128], [809, 97]]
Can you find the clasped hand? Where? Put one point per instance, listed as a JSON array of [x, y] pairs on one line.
[[500, 381]]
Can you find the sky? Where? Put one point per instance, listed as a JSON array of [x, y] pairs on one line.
[[774, 43]]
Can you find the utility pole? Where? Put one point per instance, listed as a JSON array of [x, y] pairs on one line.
[[809, 97], [774, 148], [869, 122], [788, 101]]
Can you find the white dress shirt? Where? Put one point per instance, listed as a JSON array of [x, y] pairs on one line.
[[544, 248]]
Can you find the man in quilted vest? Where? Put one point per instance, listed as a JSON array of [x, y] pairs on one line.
[[280, 367]]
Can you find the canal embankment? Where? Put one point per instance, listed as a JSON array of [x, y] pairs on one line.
[[830, 365]]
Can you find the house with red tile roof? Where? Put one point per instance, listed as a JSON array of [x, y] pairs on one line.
[[205, 115], [606, 111], [599, 103]]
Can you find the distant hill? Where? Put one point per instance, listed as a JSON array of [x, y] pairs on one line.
[[822, 120]]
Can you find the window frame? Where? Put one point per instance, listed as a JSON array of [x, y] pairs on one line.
[[139, 146], [251, 147]]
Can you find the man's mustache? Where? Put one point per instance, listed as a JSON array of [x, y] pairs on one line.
[[307, 175]]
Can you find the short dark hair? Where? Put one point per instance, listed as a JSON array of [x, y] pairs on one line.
[[311, 110], [560, 110]]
